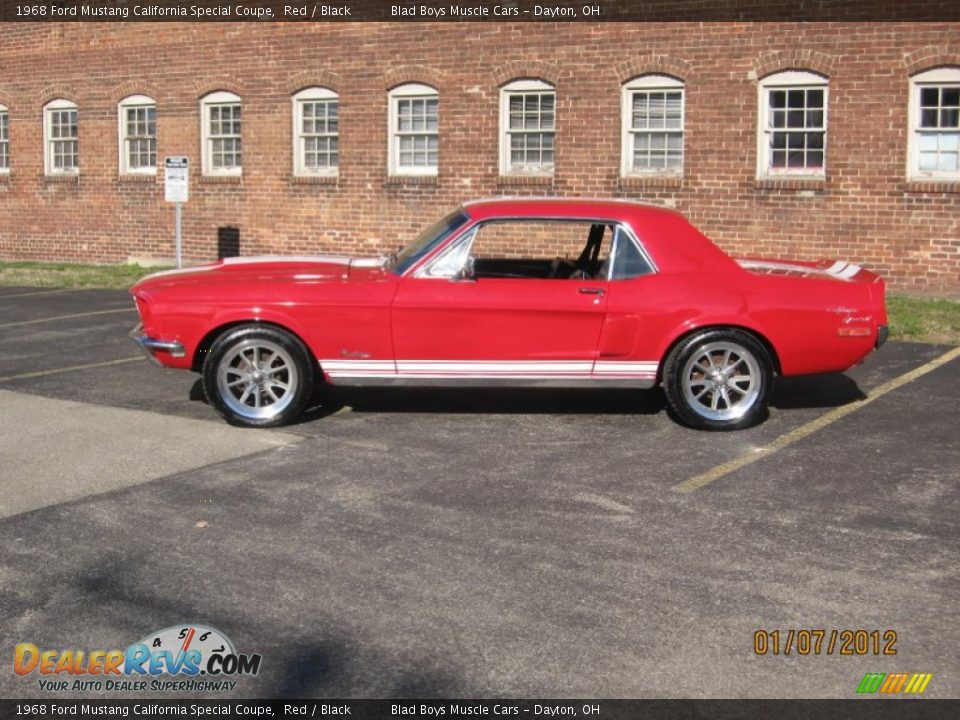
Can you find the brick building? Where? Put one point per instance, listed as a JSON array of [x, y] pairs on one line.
[[777, 139]]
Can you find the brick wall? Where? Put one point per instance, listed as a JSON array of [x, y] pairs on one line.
[[864, 211]]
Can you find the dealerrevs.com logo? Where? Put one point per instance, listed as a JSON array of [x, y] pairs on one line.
[[894, 683], [189, 658]]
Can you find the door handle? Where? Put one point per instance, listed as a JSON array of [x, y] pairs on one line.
[[591, 291]]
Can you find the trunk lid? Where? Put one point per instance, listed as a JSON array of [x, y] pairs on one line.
[[823, 269]]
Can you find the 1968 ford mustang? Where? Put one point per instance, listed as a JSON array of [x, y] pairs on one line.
[[516, 292]]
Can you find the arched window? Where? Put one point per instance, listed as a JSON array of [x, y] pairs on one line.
[[61, 138], [137, 118], [222, 134], [652, 123], [413, 139], [527, 127], [316, 132], [792, 138], [934, 141]]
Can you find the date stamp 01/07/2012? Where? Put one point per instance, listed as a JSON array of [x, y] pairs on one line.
[[822, 641]]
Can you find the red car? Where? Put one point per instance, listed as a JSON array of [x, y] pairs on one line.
[[516, 292]]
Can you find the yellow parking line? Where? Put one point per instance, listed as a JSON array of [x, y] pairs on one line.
[[698, 481], [41, 292], [72, 368], [67, 317]]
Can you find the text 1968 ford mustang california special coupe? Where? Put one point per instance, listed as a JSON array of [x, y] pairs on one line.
[[515, 292]]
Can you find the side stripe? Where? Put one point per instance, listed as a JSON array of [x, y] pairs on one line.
[[524, 369]]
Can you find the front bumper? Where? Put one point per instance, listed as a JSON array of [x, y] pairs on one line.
[[150, 346]]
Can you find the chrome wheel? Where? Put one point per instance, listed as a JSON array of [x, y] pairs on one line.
[[257, 379], [721, 381]]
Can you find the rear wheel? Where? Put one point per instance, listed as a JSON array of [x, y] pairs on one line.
[[719, 380], [258, 376]]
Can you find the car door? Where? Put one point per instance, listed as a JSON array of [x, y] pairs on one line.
[[447, 325]]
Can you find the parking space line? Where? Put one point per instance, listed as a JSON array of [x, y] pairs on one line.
[[67, 317], [42, 292], [72, 368], [698, 481]]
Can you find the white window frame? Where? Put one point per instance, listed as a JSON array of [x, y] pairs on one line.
[[6, 141], [410, 91], [789, 80], [520, 87], [300, 168], [129, 103], [48, 140], [214, 99], [937, 77], [652, 82]]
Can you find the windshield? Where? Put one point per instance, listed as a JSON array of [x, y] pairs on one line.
[[427, 241]]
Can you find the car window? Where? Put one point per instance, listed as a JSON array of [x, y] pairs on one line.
[[628, 261], [540, 249], [427, 241], [452, 260]]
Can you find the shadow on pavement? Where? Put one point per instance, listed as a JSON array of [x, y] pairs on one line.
[[815, 391], [812, 391]]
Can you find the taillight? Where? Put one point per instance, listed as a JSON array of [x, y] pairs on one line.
[[854, 331]]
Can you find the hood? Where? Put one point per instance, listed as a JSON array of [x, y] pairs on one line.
[[267, 268]]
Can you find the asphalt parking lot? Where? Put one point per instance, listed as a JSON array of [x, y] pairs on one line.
[[416, 544]]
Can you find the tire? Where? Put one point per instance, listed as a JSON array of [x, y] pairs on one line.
[[719, 380], [258, 376]]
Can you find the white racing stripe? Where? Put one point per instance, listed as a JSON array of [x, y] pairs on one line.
[[843, 270], [519, 369], [358, 365], [602, 367]]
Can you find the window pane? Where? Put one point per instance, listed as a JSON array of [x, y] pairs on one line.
[[628, 263], [928, 118], [950, 118], [639, 110], [928, 161], [778, 98], [929, 97]]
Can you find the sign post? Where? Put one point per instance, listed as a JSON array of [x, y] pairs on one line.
[[176, 189]]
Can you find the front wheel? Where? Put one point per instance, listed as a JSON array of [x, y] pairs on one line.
[[258, 376], [719, 380]]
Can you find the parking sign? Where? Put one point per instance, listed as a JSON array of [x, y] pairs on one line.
[[176, 185]]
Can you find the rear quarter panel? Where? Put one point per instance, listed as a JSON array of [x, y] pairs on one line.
[[799, 317]]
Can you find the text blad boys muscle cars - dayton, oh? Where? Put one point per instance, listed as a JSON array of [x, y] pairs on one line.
[[643, 299]]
